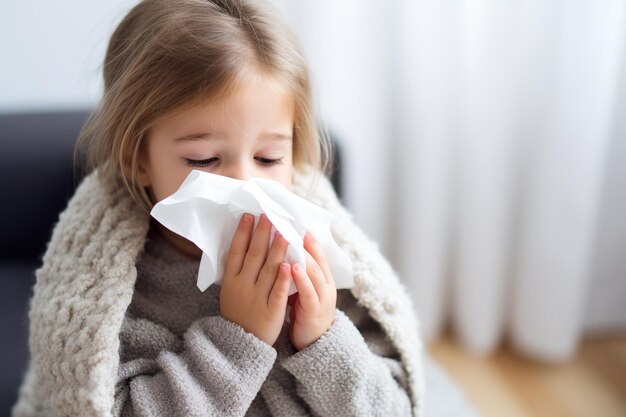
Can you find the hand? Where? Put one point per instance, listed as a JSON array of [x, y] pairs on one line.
[[313, 307], [256, 283]]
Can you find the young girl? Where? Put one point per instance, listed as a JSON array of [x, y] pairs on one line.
[[118, 327]]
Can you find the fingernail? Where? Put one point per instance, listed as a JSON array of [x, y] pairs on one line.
[[297, 267], [277, 235], [284, 266], [247, 217], [311, 238]]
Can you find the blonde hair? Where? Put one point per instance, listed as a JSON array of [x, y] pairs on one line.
[[166, 55]]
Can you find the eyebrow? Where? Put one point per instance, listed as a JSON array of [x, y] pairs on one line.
[[209, 136], [275, 136], [195, 136]]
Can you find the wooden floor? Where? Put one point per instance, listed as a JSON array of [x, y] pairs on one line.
[[593, 384]]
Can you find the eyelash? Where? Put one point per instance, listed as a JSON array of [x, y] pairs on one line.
[[209, 161]]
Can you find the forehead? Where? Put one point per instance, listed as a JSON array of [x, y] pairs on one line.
[[259, 96], [259, 103]]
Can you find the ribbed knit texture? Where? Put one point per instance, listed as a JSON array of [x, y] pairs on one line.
[[85, 287]]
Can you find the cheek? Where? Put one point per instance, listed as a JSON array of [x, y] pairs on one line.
[[163, 188], [166, 175], [287, 177]]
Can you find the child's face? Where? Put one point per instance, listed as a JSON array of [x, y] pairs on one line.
[[247, 134]]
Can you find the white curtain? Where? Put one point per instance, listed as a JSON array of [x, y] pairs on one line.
[[476, 137]]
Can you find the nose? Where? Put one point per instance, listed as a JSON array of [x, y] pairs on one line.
[[239, 170]]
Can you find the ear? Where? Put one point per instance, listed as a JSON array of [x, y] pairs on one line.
[[144, 177]]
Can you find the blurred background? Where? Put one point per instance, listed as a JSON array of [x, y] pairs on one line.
[[483, 144]]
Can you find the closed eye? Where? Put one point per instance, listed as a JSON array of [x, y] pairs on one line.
[[200, 162], [267, 161]]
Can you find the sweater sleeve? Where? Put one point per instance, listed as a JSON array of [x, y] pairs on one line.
[[340, 375], [217, 369]]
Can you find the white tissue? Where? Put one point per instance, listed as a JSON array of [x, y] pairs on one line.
[[207, 208]]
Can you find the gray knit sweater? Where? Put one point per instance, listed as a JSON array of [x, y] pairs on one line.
[[179, 357], [117, 327]]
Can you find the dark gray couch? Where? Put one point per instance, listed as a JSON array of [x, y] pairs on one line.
[[36, 180]]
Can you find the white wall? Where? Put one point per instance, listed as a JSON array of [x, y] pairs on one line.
[[52, 52]]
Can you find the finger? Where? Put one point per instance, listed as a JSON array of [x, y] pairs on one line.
[[316, 275], [257, 251], [275, 257], [315, 249], [280, 292], [239, 245], [306, 292]]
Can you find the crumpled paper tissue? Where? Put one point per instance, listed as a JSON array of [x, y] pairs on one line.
[[207, 208]]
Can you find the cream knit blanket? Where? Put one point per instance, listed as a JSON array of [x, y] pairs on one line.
[[86, 284]]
